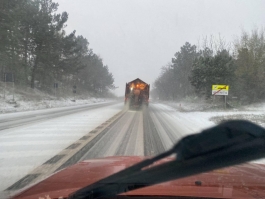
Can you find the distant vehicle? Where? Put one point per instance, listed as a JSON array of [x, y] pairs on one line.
[[137, 93]]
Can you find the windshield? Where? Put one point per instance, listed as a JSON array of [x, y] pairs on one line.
[[107, 84]]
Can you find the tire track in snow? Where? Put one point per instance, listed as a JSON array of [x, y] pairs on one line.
[[125, 137], [169, 133], [129, 139], [141, 132], [108, 144], [152, 142]]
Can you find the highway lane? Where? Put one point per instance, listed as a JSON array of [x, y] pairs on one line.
[[145, 132], [12, 120], [125, 137], [26, 147]]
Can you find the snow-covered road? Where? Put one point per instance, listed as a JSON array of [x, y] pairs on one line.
[[146, 132], [12, 120], [25, 147]]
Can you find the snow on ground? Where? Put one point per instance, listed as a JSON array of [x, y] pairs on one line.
[[26, 147], [257, 117], [187, 106], [29, 99], [196, 121], [7, 106], [255, 107], [191, 105], [217, 114]]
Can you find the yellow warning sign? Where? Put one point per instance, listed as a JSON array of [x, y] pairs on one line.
[[220, 87]]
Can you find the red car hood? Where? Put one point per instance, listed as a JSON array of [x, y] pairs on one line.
[[243, 181]]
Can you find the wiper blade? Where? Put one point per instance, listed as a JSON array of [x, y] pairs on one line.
[[227, 144]]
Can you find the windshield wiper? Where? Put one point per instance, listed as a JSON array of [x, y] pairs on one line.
[[227, 144]]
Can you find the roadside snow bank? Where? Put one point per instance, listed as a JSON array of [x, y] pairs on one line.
[[254, 113], [7, 106], [255, 107], [25, 99], [204, 119]]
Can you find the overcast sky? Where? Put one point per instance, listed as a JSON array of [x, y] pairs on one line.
[[136, 38]]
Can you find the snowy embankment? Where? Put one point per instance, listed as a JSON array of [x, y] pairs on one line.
[[10, 106], [215, 114], [194, 115], [36, 100]]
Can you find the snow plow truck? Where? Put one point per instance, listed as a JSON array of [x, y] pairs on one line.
[[137, 93]]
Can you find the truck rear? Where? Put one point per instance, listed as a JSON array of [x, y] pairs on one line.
[[137, 93]]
